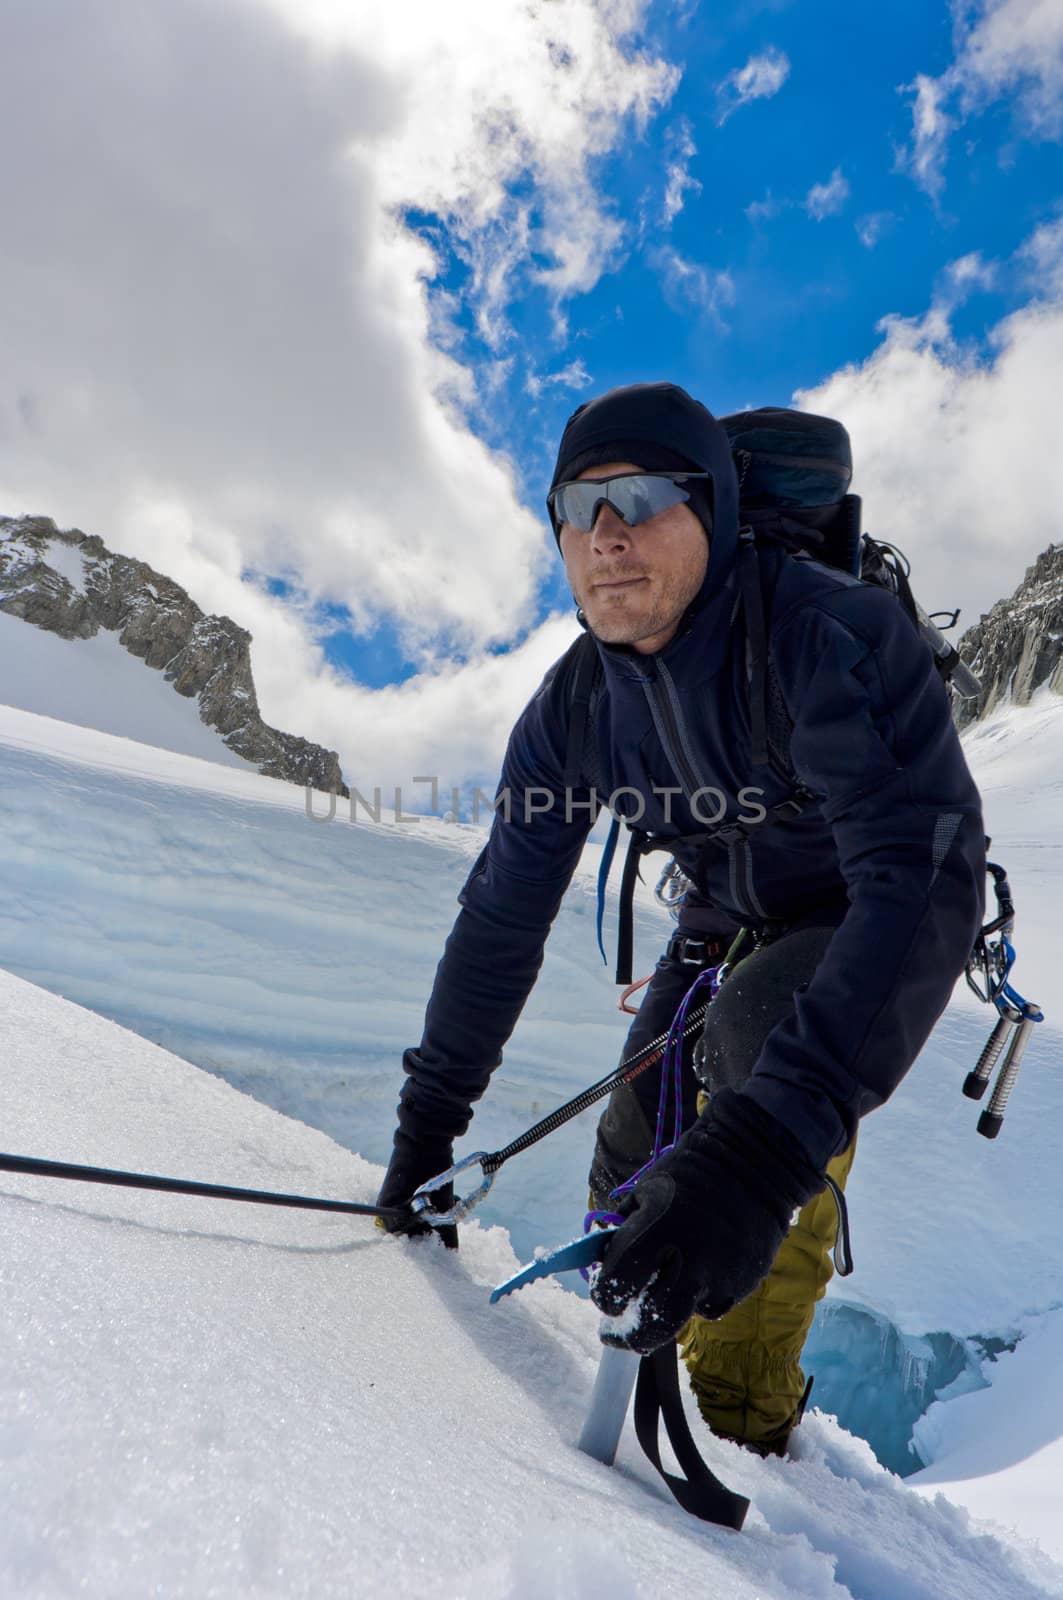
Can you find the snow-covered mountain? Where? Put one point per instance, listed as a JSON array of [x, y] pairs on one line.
[[200, 906], [1017, 647], [98, 620]]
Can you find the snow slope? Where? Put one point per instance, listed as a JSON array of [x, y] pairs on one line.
[[96, 683], [200, 1399], [200, 906], [203, 908]]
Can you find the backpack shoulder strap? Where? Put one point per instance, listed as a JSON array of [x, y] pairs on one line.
[[585, 671], [770, 722], [780, 726], [756, 645]]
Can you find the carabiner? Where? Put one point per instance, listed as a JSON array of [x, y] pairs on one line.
[[421, 1203]]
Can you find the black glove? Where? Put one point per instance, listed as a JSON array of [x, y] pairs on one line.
[[705, 1223], [413, 1162]]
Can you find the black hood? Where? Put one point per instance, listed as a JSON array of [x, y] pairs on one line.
[[649, 424]]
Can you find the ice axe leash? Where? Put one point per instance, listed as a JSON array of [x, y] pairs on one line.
[[490, 1163], [989, 977]]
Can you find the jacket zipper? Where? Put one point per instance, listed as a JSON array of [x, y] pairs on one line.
[[664, 708], [666, 711]]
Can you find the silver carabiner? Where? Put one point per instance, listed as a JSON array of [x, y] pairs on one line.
[[421, 1203], [671, 888]]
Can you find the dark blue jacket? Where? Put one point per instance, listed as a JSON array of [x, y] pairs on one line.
[[892, 850]]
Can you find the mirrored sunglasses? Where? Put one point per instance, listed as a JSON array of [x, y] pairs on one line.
[[634, 496]]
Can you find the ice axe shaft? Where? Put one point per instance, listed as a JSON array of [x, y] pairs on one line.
[[610, 1398]]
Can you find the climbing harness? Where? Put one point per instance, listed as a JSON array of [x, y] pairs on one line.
[[711, 979]]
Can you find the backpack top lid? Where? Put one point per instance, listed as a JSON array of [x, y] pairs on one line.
[[789, 459]]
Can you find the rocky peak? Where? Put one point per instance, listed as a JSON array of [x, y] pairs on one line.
[[1017, 647], [69, 583]]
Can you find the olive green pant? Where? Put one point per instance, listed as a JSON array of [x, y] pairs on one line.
[[745, 1367]]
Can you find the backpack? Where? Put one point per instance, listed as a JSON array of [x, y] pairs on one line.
[[794, 471]]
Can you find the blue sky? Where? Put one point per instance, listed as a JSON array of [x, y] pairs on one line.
[[309, 349], [800, 284]]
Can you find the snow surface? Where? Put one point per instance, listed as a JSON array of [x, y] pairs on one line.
[[201, 1399], [67, 560], [999, 1451], [205, 910], [202, 908], [96, 683], [198, 905]]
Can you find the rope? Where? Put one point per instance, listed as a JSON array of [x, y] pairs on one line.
[[672, 1072], [210, 1191]]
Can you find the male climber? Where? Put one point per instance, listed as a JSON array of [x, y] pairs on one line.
[[859, 909]]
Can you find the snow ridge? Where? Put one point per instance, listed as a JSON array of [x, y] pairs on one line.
[[72, 586]]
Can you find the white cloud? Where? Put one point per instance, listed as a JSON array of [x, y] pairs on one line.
[[574, 376], [688, 283], [679, 180], [451, 722], [223, 350], [495, 93], [766, 209], [870, 228], [822, 200], [827, 199], [970, 272], [931, 127], [957, 454], [1003, 47], [1016, 44], [762, 76], [1042, 259]]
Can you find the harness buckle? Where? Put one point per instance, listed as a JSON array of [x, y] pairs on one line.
[[692, 952]]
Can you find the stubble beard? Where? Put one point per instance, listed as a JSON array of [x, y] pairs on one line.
[[615, 622]]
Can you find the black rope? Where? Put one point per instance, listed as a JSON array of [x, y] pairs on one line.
[[211, 1191]]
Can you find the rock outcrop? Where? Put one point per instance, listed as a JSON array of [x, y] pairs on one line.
[[1017, 647], [71, 584]]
